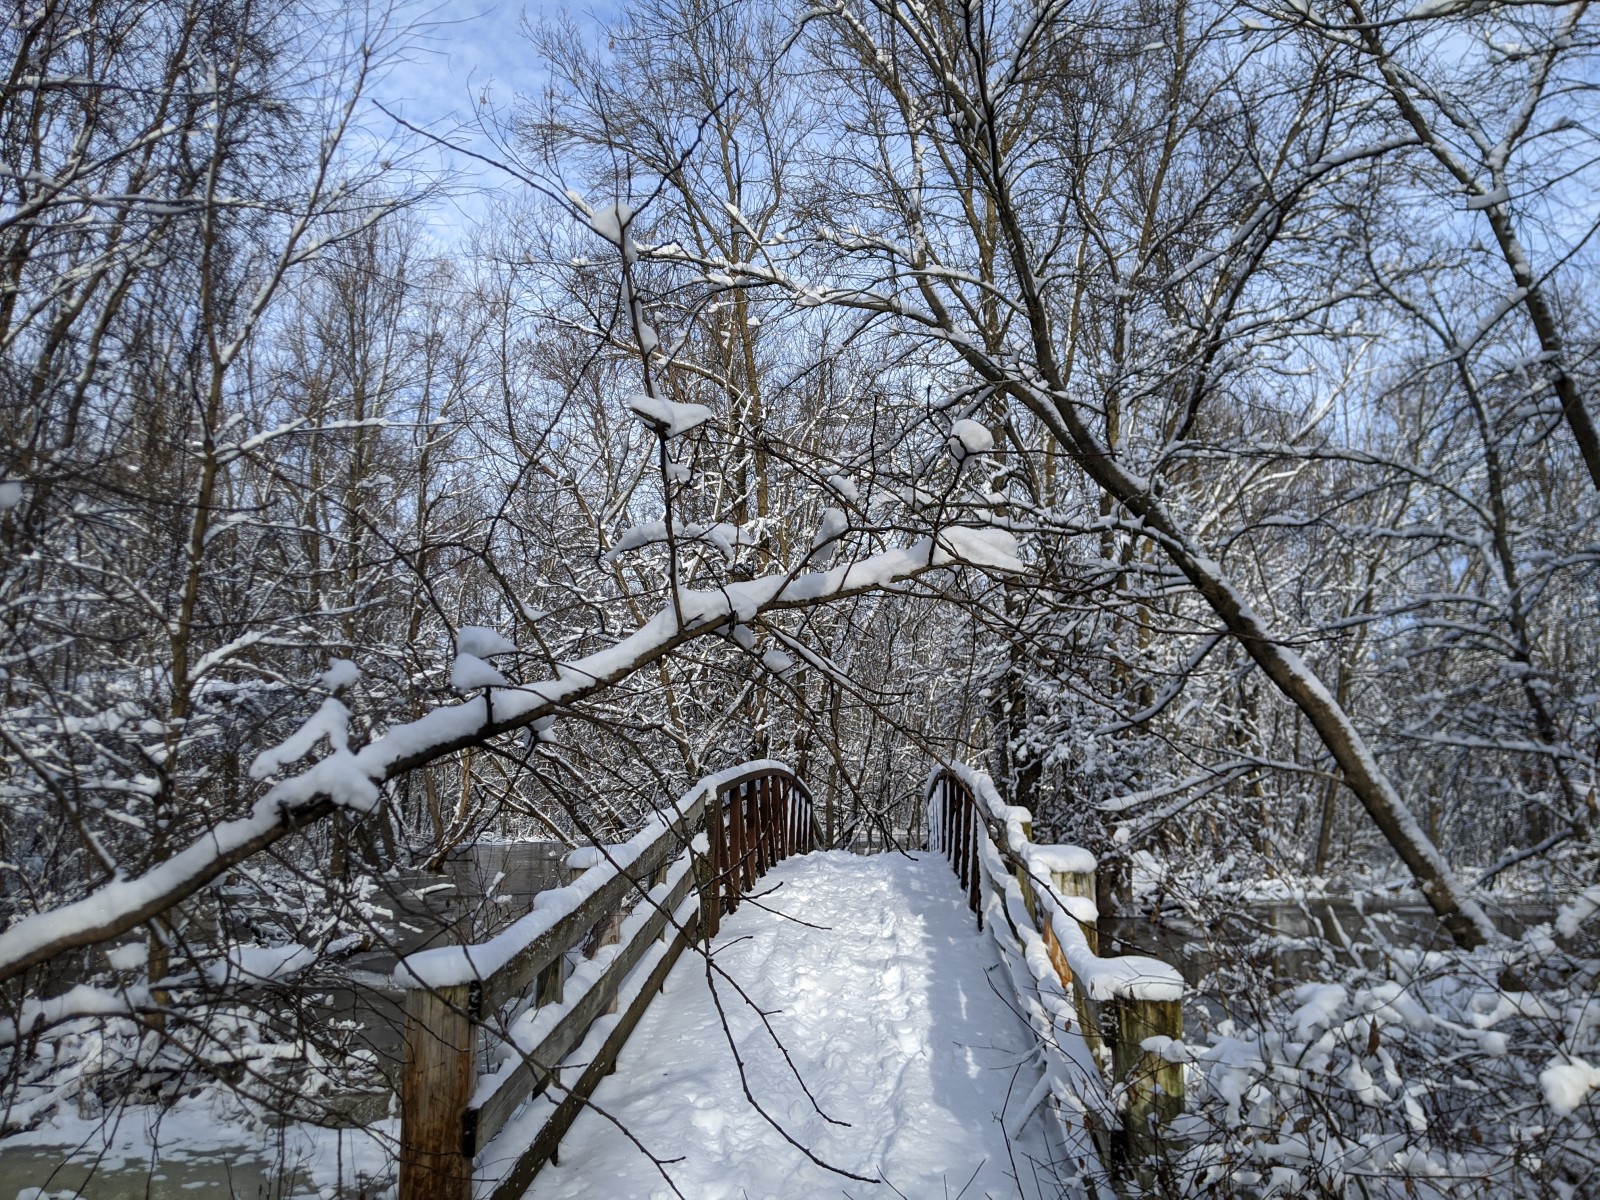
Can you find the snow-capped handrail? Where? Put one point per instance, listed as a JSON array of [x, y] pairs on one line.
[[1039, 900], [690, 862]]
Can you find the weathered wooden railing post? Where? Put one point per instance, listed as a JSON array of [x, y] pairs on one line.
[[659, 879], [752, 833], [758, 814], [975, 867], [963, 835], [774, 823], [947, 806], [1120, 1003], [775, 820], [1024, 819], [551, 986], [436, 1082], [712, 875], [735, 882], [1151, 1087], [1072, 874], [1079, 880], [757, 793]]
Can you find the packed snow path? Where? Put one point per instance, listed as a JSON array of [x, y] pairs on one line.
[[882, 999]]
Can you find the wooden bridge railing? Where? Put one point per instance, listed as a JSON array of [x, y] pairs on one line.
[[629, 913], [1041, 899]]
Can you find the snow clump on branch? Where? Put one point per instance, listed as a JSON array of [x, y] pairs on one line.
[[483, 642], [967, 438], [843, 487], [341, 673], [1567, 1084], [338, 776], [668, 417], [475, 644], [826, 543], [611, 222], [777, 662]]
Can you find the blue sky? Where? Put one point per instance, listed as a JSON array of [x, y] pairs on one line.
[[455, 47], [459, 51]]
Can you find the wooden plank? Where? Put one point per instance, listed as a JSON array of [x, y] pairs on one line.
[[963, 837], [758, 821], [769, 818], [951, 851], [786, 811], [436, 1081], [757, 832], [747, 856], [659, 879], [778, 812], [551, 985], [717, 859], [947, 829], [964, 834], [952, 848], [769, 847], [736, 847], [548, 1139], [752, 834], [605, 933], [512, 980], [974, 895], [528, 1080]]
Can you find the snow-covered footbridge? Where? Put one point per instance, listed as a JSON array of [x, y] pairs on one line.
[[718, 1008]]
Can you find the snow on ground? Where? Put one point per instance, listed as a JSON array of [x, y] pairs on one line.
[[890, 1017]]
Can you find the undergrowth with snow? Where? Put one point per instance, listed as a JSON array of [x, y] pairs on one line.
[[1395, 1072]]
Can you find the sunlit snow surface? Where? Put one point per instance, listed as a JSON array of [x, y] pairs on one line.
[[887, 1012]]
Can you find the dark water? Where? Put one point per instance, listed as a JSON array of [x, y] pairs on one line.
[[235, 1173], [480, 891]]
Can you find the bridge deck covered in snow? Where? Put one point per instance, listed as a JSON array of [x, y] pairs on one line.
[[719, 1007], [861, 980]]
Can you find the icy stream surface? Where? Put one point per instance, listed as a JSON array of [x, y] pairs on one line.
[[884, 1001]]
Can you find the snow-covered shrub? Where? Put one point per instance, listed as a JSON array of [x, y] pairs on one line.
[[1396, 1072]]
